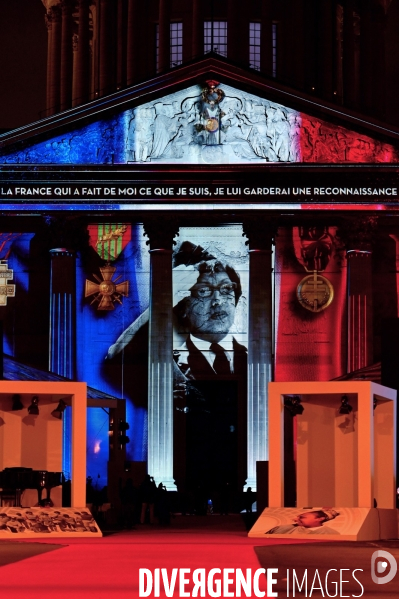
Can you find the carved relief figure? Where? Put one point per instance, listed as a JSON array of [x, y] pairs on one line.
[[229, 125], [140, 135], [165, 128]]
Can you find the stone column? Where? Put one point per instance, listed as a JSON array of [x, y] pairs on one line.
[[121, 48], [360, 302], [62, 359], [237, 28], [260, 235], [297, 45], [372, 56], [133, 24], [198, 29], [64, 236], [66, 55], [349, 54], [379, 72], [81, 87], [160, 360], [54, 58], [395, 237], [164, 35], [266, 38], [106, 47], [75, 49], [327, 25], [49, 71]]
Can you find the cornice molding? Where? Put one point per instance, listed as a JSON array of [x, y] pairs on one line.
[[197, 72]]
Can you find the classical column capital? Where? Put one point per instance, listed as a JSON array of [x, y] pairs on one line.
[[49, 3], [260, 233], [66, 233], [385, 4], [67, 5], [359, 234], [75, 42], [161, 232], [54, 13]]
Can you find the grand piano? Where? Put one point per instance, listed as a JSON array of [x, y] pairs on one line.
[[14, 481]]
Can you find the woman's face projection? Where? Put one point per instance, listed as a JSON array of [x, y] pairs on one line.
[[211, 307], [309, 520]]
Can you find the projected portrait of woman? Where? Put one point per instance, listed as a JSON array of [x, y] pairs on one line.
[[210, 290], [207, 314], [210, 284], [313, 523]]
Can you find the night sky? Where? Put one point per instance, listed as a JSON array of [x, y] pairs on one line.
[[23, 50]]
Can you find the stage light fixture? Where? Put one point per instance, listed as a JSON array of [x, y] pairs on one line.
[[59, 410], [345, 407], [293, 404], [16, 402], [33, 409]]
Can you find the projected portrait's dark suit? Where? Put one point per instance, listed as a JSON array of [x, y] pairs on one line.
[[210, 367], [197, 366]]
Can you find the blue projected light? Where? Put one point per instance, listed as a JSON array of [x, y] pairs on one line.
[[102, 142], [186, 126], [67, 442], [97, 453], [98, 330], [122, 378], [225, 125], [14, 247]]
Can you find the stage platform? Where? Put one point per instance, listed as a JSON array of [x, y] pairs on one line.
[[339, 524], [109, 566]]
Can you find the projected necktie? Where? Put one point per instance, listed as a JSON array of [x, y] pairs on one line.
[[221, 364]]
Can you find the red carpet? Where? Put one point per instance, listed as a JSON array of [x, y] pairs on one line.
[[110, 566]]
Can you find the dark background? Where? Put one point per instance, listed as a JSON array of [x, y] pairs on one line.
[[23, 56]]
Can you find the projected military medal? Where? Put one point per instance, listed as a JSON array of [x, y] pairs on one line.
[[6, 290], [107, 291], [108, 240], [313, 248], [315, 292]]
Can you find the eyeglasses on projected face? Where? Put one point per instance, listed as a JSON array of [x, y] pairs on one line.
[[203, 291]]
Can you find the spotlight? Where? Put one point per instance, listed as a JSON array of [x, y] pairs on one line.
[[59, 410], [293, 405], [33, 409], [345, 408], [16, 403]]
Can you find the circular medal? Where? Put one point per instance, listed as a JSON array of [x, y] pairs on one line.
[[315, 293], [212, 125]]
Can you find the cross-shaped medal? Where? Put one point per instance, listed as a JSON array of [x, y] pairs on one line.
[[6, 290], [317, 290]]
